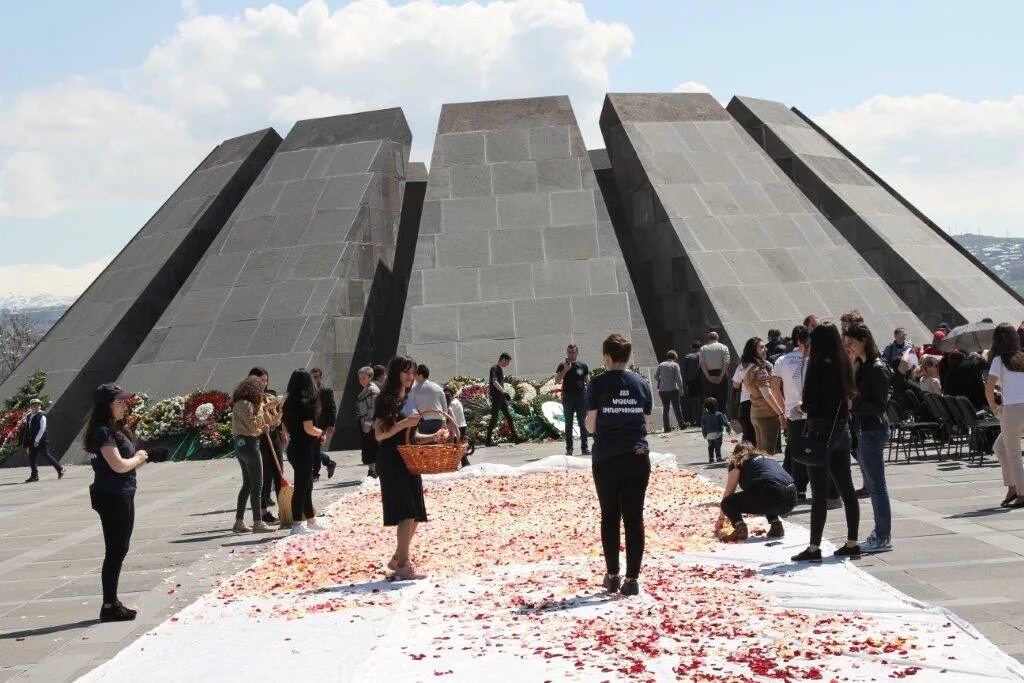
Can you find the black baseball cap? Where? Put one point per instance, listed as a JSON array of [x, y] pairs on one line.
[[108, 393]]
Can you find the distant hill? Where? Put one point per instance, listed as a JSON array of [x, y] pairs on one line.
[[41, 310], [1004, 256]]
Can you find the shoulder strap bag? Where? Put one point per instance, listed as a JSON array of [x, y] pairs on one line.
[[816, 443]]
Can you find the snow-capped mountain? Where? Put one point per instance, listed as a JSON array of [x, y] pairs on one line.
[[33, 302]]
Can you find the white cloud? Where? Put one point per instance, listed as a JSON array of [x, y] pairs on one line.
[[77, 142], [691, 86], [958, 161], [28, 279]]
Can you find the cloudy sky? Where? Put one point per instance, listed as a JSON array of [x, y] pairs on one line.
[[106, 106]]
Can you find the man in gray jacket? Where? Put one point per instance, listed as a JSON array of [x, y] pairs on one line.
[[670, 387]]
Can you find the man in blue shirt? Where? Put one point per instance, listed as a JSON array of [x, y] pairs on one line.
[[574, 376]]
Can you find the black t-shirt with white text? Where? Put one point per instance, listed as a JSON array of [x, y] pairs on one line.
[[621, 399], [575, 380]]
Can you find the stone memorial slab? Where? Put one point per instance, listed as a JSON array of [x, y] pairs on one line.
[[302, 272], [936, 277], [95, 339], [510, 252], [716, 237]]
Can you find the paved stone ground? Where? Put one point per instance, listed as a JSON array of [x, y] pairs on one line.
[[953, 547]]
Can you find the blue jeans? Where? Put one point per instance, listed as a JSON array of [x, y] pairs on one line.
[[44, 450], [871, 458], [574, 404]]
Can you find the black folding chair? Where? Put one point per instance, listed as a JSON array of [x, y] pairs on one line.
[[937, 412], [908, 432]]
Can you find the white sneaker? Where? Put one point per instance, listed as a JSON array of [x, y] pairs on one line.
[[298, 530], [874, 544], [313, 526]]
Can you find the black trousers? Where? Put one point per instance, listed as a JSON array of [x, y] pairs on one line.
[[621, 483], [301, 457], [500, 404], [693, 402], [271, 476], [719, 392], [794, 430], [671, 398], [117, 517], [574, 406], [715, 449], [838, 466], [748, 427], [762, 498]]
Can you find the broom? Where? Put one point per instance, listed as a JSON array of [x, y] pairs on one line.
[[284, 496]]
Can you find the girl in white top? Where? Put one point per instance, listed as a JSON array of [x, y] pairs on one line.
[[929, 369], [1007, 372]]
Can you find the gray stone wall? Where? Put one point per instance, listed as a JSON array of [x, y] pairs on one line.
[[717, 237], [516, 251], [937, 282], [96, 337], [287, 282]]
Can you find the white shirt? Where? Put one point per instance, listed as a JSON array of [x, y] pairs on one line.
[[1011, 382], [790, 369], [455, 408]]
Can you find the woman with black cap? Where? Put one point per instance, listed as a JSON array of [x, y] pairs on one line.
[[114, 462]]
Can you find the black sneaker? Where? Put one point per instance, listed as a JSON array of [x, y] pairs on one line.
[[270, 518], [331, 466], [718, 459], [32, 478], [807, 555], [465, 461], [801, 498], [585, 451], [60, 473], [117, 612], [612, 583], [776, 530], [568, 454], [630, 587], [848, 551]]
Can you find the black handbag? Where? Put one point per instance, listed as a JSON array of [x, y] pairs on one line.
[[818, 441]]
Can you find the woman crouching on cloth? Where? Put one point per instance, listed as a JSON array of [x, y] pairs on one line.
[[401, 491], [767, 490]]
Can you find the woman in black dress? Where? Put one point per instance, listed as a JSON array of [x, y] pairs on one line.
[[401, 492], [301, 409]]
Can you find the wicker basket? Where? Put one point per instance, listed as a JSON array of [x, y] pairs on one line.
[[433, 458]]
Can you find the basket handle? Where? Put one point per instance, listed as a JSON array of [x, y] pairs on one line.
[[453, 433]]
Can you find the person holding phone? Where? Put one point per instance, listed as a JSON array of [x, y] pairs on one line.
[[401, 491], [617, 405], [573, 375], [114, 463]]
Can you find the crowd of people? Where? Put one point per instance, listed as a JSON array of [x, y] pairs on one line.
[[824, 393]]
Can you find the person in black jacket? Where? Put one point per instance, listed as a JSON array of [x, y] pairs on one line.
[[872, 376], [34, 440], [325, 421], [827, 392]]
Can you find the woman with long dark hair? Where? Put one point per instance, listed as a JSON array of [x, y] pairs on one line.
[[1006, 370], [270, 443], [114, 461], [247, 426], [828, 389], [617, 403], [765, 413], [872, 376], [300, 410], [401, 491], [747, 360]]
